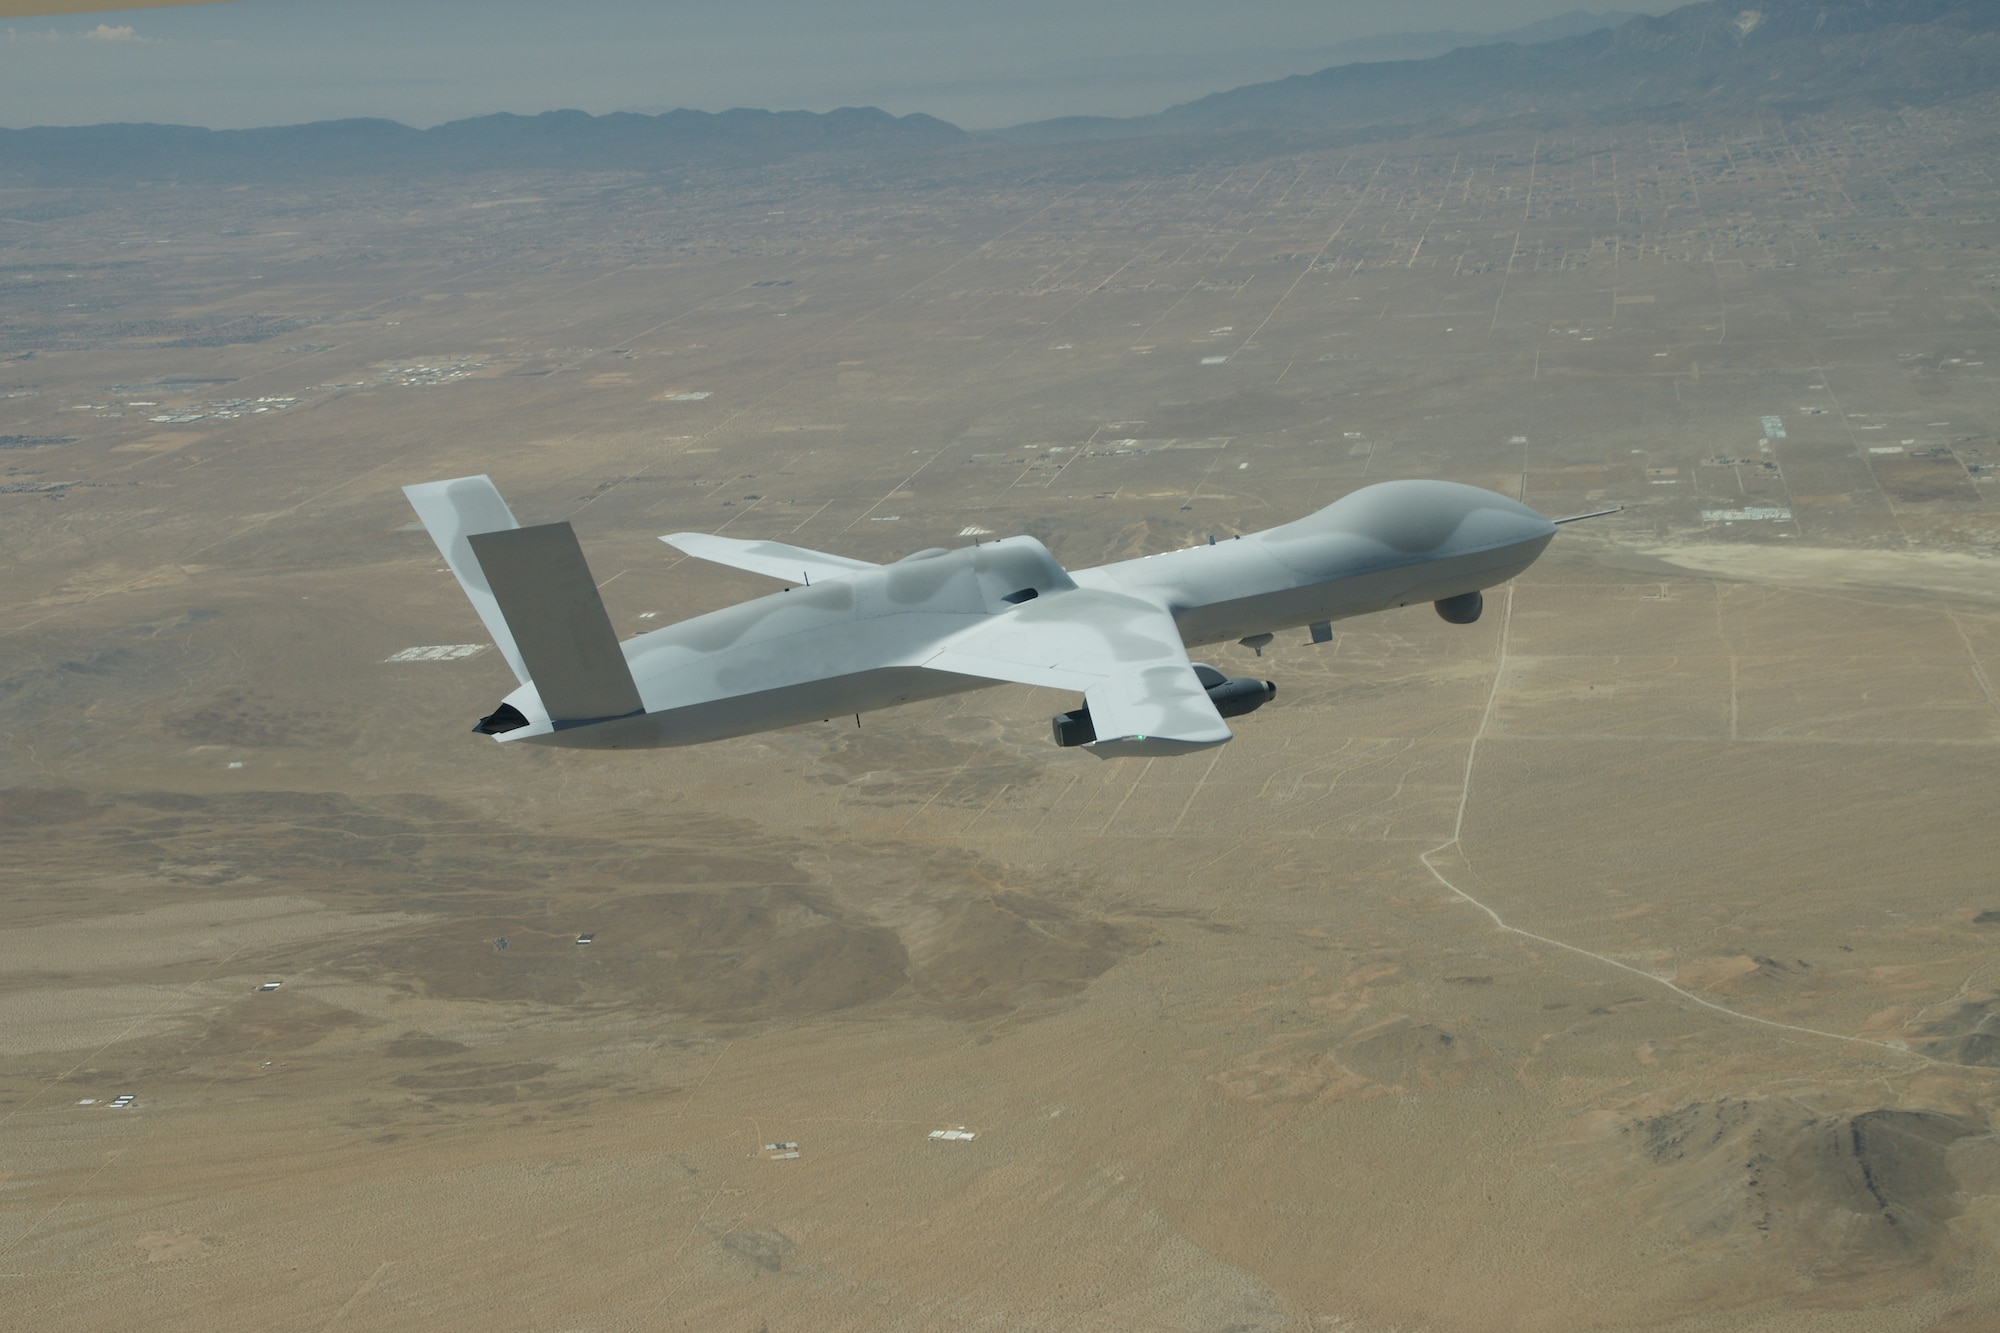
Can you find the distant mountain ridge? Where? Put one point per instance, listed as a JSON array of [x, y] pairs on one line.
[[1710, 56], [1702, 56], [1424, 45], [50, 155]]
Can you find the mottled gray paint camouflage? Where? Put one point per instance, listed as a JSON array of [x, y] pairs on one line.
[[864, 637]]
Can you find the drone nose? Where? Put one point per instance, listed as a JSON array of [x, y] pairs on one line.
[[1507, 523]]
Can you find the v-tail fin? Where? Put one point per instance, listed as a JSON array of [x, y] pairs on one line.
[[453, 512], [545, 591], [533, 590]]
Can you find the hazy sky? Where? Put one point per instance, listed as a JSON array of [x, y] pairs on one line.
[[980, 65]]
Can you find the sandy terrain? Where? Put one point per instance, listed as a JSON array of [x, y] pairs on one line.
[[1625, 960]]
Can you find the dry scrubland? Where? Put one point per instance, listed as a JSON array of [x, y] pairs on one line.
[[1626, 960]]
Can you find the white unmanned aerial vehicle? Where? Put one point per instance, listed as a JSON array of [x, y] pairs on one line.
[[855, 636]]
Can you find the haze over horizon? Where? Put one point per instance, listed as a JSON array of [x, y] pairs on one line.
[[274, 62]]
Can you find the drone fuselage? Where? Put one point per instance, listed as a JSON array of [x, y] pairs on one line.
[[859, 642]]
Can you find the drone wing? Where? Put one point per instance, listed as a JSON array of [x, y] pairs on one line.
[[1124, 653], [793, 563]]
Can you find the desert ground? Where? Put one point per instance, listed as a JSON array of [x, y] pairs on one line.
[[1627, 960]]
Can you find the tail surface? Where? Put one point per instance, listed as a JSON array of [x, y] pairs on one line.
[[533, 589], [453, 512], [550, 601]]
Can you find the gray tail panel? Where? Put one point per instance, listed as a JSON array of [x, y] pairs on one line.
[[550, 602]]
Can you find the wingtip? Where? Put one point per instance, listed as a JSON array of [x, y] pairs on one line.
[[1153, 747]]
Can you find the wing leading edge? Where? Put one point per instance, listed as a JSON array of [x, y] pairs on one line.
[[1124, 653]]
